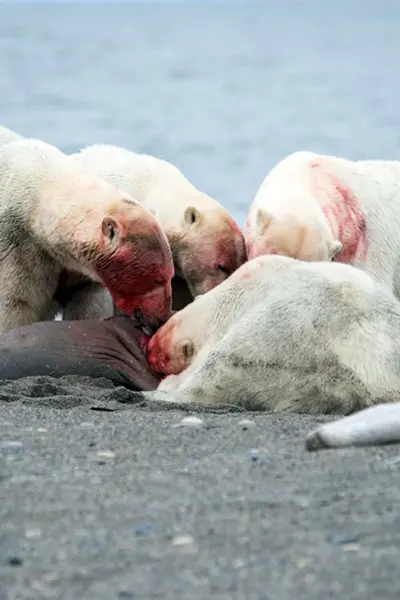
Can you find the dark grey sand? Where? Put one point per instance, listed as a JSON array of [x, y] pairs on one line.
[[102, 499]]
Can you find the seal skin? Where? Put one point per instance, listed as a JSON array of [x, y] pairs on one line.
[[376, 425], [109, 348], [284, 335], [61, 227], [206, 242], [317, 207]]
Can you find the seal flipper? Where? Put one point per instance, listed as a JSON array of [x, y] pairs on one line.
[[372, 426]]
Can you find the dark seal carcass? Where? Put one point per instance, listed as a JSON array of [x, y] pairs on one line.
[[110, 348]]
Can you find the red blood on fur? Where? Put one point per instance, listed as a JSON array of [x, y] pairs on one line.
[[348, 222], [159, 351], [230, 249], [138, 270]]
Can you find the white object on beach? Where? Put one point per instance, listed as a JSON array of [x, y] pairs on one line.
[[183, 540], [372, 426], [190, 422], [246, 424]]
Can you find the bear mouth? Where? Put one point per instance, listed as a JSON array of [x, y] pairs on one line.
[[140, 323]]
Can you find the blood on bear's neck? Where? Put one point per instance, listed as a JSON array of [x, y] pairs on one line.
[[345, 217]]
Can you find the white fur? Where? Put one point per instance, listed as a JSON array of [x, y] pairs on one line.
[[163, 189], [288, 190], [44, 199], [7, 135], [154, 182], [289, 335]]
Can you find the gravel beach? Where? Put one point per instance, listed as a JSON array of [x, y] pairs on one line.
[[104, 499]]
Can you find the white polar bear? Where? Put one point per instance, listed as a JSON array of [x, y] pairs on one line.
[[7, 135], [207, 244], [284, 335], [63, 229], [318, 207]]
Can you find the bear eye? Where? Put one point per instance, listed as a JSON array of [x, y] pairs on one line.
[[187, 350]]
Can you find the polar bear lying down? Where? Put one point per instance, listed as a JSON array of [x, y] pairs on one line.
[[284, 335]]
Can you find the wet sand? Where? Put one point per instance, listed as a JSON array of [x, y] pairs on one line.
[[103, 499]]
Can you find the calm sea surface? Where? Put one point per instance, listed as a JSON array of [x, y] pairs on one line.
[[224, 90]]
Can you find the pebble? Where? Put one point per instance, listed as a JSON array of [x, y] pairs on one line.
[[12, 444], [302, 563], [144, 529], [341, 538], [183, 540], [42, 430], [106, 454], [190, 422], [33, 533], [15, 561], [246, 424], [87, 424], [351, 547], [254, 455]]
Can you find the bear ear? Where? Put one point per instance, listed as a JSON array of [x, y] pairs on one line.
[[335, 249], [263, 219], [191, 215], [110, 229], [187, 349]]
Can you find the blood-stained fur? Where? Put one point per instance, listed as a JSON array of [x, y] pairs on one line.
[[61, 226], [206, 242], [319, 207], [284, 335]]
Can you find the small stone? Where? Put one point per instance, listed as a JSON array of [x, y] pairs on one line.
[[190, 422], [14, 444], [126, 594], [49, 577], [246, 424], [341, 538], [42, 430], [144, 529], [33, 533], [106, 454], [351, 547], [15, 561], [239, 563], [87, 424], [183, 540], [303, 562], [254, 455]]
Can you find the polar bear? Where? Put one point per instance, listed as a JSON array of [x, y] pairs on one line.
[[284, 335], [62, 227], [7, 135], [320, 208], [207, 244]]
